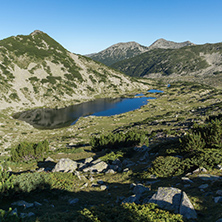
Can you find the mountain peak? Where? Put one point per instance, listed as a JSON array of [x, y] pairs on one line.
[[36, 32], [165, 44]]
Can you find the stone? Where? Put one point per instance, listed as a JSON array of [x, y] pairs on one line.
[[125, 170], [218, 199], [37, 204], [84, 186], [186, 179], [14, 212], [139, 189], [110, 171], [145, 157], [128, 163], [203, 186], [88, 160], [73, 201], [100, 182], [219, 167], [65, 165], [49, 159], [175, 200], [200, 169], [116, 162], [208, 177], [30, 214], [103, 187], [131, 199], [96, 166], [141, 149], [219, 220], [186, 208], [219, 192], [22, 203]]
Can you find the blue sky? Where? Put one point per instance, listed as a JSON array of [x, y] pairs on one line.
[[87, 26]]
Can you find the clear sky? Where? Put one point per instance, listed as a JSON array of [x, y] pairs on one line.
[[87, 26]]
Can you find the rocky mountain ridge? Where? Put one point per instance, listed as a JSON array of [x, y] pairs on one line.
[[122, 51], [35, 70]]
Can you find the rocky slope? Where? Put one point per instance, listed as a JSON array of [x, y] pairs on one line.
[[118, 52], [122, 51], [35, 70]]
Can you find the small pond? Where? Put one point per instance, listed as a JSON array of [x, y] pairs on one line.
[[58, 118]]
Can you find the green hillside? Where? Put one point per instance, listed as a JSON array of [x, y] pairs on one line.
[[166, 62]]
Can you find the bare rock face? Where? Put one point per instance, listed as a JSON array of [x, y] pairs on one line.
[[65, 165], [174, 199]]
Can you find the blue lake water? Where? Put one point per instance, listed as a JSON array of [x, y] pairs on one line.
[[57, 118], [155, 91]]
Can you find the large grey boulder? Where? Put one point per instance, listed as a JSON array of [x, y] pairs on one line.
[[174, 199], [97, 166], [65, 165]]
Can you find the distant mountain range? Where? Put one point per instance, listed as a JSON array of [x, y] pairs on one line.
[[122, 51], [198, 60], [35, 70]]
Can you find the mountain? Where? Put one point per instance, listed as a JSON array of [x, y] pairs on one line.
[[122, 51], [196, 59], [35, 70], [165, 44], [118, 52]]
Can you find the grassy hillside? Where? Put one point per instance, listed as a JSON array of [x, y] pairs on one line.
[[35, 70]]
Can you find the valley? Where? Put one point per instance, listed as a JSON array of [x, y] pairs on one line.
[[110, 168]]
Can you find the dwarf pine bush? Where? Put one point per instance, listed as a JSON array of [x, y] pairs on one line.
[[26, 151]]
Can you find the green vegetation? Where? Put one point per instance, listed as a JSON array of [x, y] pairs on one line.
[[26, 151], [128, 212], [118, 140]]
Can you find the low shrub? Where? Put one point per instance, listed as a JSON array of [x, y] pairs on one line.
[[129, 212], [7, 216], [26, 151], [6, 182], [118, 140], [27, 182], [166, 166]]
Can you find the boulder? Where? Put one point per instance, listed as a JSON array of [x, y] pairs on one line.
[[209, 177], [131, 199], [73, 201], [65, 165], [139, 189], [22, 203], [96, 166], [175, 200]]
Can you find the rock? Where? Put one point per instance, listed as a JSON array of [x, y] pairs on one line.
[[219, 167], [139, 189], [128, 163], [100, 182], [88, 160], [186, 208], [96, 166], [145, 157], [200, 169], [30, 214], [110, 171], [131, 199], [141, 149], [14, 212], [218, 199], [49, 159], [37, 204], [77, 173], [126, 170], [23, 203], [119, 198], [174, 199], [208, 177], [84, 186], [103, 187], [73, 201], [203, 186], [117, 162], [186, 179], [219, 220], [65, 165], [219, 192]]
